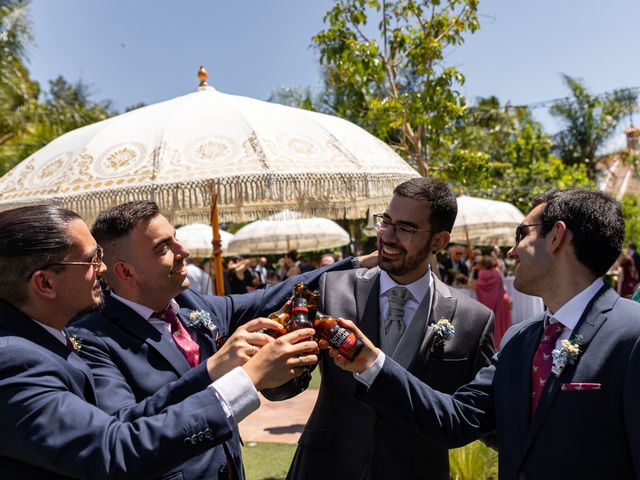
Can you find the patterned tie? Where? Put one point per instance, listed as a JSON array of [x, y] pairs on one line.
[[181, 336], [394, 328], [541, 366]]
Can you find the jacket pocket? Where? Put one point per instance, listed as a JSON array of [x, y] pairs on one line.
[[316, 438]]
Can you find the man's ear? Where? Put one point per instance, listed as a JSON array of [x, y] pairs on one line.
[[439, 241], [123, 272], [557, 235], [43, 285]]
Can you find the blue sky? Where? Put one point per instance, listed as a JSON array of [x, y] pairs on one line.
[[149, 50]]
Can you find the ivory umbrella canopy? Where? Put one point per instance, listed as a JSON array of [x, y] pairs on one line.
[[197, 238], [287, 230], [481, 221], [258, 157]]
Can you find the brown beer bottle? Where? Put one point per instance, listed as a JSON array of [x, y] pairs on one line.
[[312, 304], [299, 315], [282, 316], [343, 340]]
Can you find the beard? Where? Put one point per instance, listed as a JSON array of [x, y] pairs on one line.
[[407, 263], [95, 307]]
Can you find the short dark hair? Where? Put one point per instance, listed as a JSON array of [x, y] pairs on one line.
[[117, 222], [292, 254], [441, 200], [31, 237], [594, 219]]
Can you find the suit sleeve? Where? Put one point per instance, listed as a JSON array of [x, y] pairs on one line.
[[485, 350], [121, 400], [631, 401], [448, 421], [46, 425]]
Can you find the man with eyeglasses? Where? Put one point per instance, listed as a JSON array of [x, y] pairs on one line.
[[563, 393], [51, 426], [154, 330], [398, 305]]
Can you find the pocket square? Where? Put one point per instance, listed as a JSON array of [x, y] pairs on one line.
[[577, 387]]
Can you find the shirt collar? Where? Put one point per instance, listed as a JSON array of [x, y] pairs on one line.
[[59, 334], [418, 289], [569, 313], [143, 311]]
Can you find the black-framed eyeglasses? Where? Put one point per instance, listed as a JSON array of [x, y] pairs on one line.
[[95, 262], [403, 232], [521, 231]]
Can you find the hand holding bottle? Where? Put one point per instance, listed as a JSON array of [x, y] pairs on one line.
[[367, 355]]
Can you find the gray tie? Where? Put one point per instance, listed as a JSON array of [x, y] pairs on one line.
[[394, 328]]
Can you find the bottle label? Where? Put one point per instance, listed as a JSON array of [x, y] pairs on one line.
[[337, 336]]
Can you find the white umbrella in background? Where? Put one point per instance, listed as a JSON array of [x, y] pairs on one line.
[[485, 222], [197, 238], [285, 231], [207, 155]]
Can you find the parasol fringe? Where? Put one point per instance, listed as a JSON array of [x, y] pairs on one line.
[[244, 198]]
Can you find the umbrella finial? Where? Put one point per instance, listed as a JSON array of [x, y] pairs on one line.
[[202, 76]]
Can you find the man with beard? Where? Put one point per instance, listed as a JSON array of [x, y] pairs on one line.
[[154, 330], [406, 311], [50, 425]]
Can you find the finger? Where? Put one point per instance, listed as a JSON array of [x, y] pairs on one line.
[[349, 325], [298, 335], [324, 345], [252, 350], [259, 323], [258, 339], [302, 348], [302, 361]]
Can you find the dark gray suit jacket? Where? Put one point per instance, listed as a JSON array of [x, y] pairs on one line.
[[347, 439], [576, 433]]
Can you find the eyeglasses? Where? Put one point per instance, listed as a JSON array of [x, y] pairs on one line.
[[404, 233], [95, 262], [521, 232]]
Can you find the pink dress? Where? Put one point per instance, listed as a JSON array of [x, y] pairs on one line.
[[490, 292]]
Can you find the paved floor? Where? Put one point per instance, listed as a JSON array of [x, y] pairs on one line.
[[279, 422]]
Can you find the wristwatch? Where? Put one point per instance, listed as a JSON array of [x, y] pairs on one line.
[[355, 262]]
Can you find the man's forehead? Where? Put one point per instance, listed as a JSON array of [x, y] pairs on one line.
[[534, 214]]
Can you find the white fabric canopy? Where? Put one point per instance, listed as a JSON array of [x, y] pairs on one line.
[[197, 238], [284, 231], [486, 222]]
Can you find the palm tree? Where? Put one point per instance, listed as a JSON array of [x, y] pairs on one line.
[[589, 122]]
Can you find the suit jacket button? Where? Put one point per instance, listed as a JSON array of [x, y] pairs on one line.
[[194, 438], [208, 434]]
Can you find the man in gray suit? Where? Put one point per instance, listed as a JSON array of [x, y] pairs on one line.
[[407, 312]]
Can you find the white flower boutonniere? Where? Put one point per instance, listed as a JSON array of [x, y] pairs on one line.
[[443, 331], [201, 318], [567, 354], [76, 343]]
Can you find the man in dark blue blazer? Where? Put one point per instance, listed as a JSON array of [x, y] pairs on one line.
[[50, 426], [563, 394], [133, 355]]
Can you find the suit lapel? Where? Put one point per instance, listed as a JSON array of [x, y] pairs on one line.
[[202, 335], [142, 329], [587, 327], [366, 294], [443, 305]]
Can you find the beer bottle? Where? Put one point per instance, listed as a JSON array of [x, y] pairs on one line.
[[282, 317], [343, 340], [312, 304], [299, 315]]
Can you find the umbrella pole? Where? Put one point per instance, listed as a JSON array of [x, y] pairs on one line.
[[216, 252]]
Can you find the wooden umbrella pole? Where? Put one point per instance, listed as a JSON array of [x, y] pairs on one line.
[[217, 257]]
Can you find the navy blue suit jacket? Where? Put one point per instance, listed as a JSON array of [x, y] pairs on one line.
[[132, 360], [50, 426], [574, 434]]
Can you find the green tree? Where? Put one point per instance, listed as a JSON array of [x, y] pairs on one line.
[[589, 121], [504, 154], [631, 215], [390, 78]]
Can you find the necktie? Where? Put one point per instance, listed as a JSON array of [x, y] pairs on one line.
[[394, 328], [181, 336], [541, 366]]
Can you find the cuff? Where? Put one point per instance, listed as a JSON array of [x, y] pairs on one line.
[[368, 376], [238, 395]]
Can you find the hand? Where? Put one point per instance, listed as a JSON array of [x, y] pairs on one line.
[[241, 346], [217, 247], [363, 360], [282, 359], [370, 260]]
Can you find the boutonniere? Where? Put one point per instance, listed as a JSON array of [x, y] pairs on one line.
[[201, 318], [567, 354], [443, 331], [76, 343]]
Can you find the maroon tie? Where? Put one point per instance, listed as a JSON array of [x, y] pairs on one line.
[[542, 361], [181, 336]]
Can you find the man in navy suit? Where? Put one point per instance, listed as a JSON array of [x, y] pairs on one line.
[[50, 425], [133, 354], [563, 393]]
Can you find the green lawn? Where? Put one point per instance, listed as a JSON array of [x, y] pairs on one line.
[[267, 461]]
